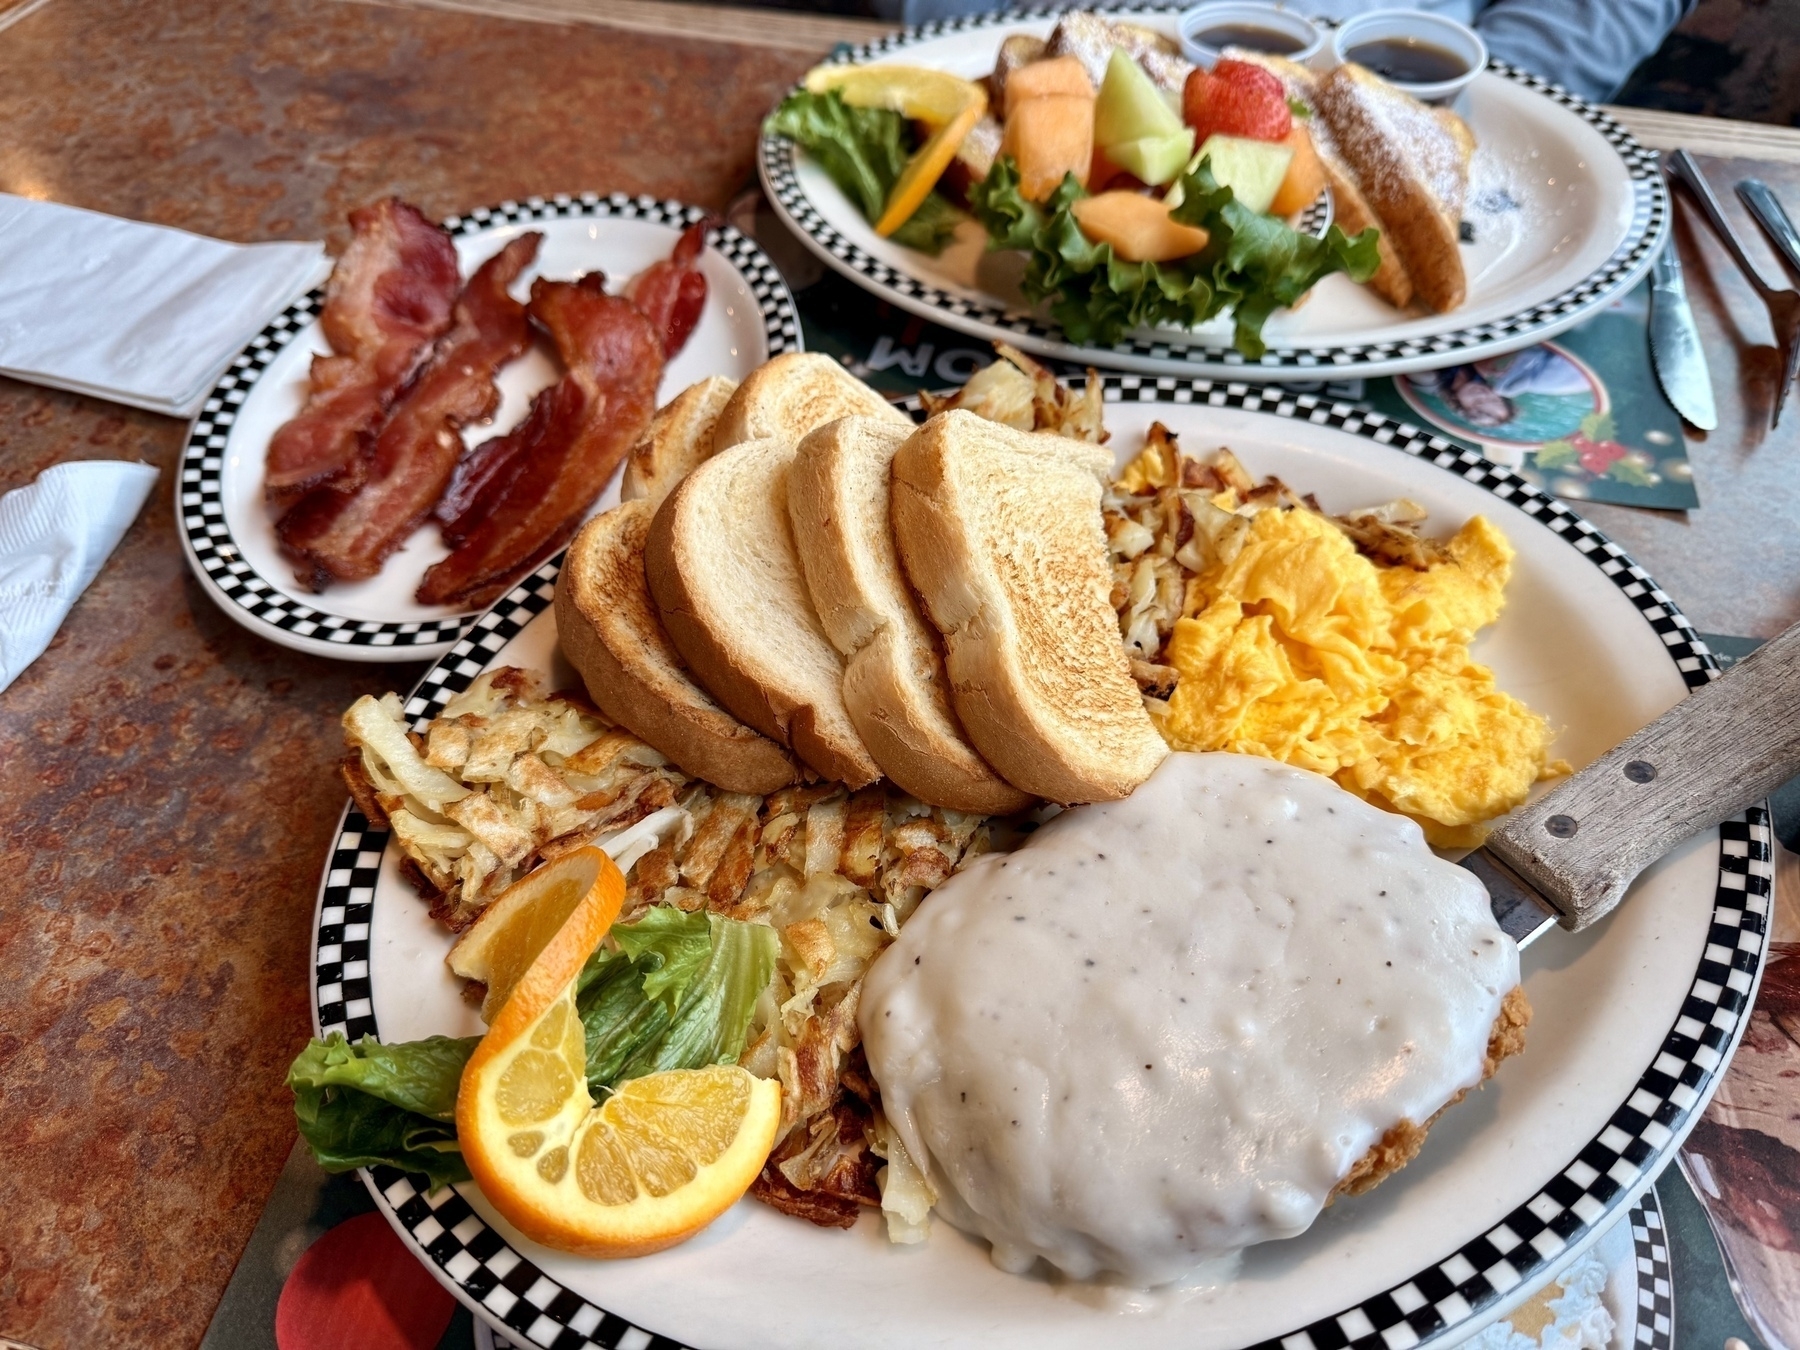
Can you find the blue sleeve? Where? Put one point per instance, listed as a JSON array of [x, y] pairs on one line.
[[1589, 47]]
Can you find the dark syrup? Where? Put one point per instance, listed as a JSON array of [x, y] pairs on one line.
[[1408, 61], [1251, 38]]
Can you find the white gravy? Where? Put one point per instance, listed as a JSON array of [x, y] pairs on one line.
[[1167, 1026]]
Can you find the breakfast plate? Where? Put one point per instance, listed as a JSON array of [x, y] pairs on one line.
[[1634, 1019], [227, 532], [1566, 210]]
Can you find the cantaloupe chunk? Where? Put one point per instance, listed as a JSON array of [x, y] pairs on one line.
[[1047, 137], [1062, 75], [1139, 228], [1305, 178]]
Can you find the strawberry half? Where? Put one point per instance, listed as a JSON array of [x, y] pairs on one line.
[[1236, 98]]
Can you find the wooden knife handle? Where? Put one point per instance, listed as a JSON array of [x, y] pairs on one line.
[[1723, 747]]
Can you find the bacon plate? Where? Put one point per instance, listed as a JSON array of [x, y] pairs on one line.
[[672, 291], [333, 535], [388, 299], [556, 462]]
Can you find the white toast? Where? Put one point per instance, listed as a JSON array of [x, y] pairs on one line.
[[1000, 534], [680, 436], [794, 393], [727, 583], [607, 626], [894, 683]]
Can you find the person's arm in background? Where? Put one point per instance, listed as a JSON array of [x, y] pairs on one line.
[[1587, 46]]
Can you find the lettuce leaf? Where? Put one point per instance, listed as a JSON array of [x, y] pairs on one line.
[[1252, 265], [651, 1006], [362, 1104], [677, 992], [863, 150]]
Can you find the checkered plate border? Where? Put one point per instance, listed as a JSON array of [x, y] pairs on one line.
[[778, 165], [262, 604], [1655, 1329], [1604, 1175]]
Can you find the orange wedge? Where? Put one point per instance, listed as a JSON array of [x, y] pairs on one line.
[[927, 165], [663, 1157], [516, 928], [934, 97]]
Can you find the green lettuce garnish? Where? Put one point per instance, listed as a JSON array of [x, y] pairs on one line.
[[863, 150], [1252, 265], [366, 1103], [677, 992]]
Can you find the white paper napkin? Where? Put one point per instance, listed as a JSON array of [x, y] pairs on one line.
[[54, 537], [134, 313]]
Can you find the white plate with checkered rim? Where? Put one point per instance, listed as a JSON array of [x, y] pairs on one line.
[[227, 532], [1567, 210], [1634, 1020], [1639, 1293]]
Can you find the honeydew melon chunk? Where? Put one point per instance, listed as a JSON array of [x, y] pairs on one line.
[[1154, 159], [1253, 170], [1130, 107]]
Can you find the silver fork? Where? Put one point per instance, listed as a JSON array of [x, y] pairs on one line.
[[1783, 303], [1766, 207]]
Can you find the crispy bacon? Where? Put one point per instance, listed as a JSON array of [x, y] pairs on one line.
[[347, 536], [574, 438], [389, 297], [672, 291]]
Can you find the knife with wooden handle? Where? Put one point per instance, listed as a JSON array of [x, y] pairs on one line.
[[1568, 857]]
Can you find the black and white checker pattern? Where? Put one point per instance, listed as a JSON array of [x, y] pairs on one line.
[[1606, 1173], [985, 317], [1655, 1328], [216, 555]]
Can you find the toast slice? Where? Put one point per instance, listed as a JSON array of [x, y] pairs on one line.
[[680, 436], [1349, 208], [607, 626], [894, 682], [1413, 168], [727, 584], [793, 393], [1000, 533]]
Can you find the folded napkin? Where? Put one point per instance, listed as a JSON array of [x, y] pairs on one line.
[[54, 537], [134, 313]]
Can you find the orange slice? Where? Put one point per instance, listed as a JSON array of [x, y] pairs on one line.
[[934, 97], [516, 928], [663, 1157], [927, 165]]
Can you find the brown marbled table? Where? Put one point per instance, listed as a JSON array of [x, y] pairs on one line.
[[166, 784]]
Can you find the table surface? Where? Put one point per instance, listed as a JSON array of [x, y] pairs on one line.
[[168, 789]]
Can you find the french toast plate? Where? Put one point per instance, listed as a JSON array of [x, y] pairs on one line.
[[1634, 1019], [1565, 213], [228, 533]]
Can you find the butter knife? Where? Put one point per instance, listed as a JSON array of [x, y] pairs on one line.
[[1675, 344], [1568, 857]]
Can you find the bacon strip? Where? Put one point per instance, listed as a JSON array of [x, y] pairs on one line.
[[572, 442], [347, 536], [672, 291], [389, 296]]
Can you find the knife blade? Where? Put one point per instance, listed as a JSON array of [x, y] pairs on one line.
[[1675, 344], [1568, 857]]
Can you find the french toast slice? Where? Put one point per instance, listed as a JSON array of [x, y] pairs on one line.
[[1350, 209], [1412, 165]]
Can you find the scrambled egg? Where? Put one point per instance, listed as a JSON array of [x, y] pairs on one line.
[[1300, 649]]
